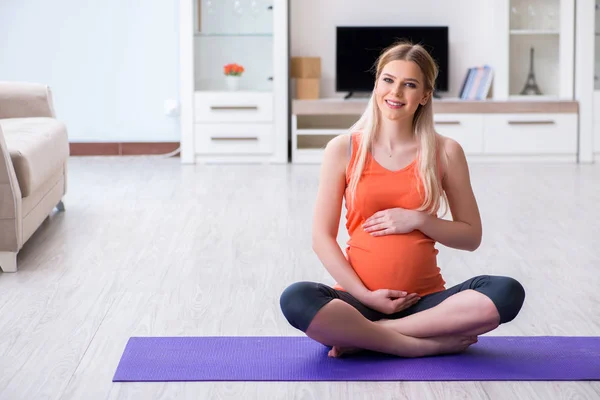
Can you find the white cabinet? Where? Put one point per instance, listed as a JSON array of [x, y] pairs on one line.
[[530, 134], [224, 139], [248, 123], [227, 107], [516, 134], [497, 131], [544, 29], [466, 129]]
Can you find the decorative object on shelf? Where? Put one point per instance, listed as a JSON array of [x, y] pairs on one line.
[[477, 84], [233, 74], [233, 82], [531, 86], [307, 74]]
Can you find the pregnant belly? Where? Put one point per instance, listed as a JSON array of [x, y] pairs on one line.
[[405, 262]]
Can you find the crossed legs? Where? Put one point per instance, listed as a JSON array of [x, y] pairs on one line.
[[443, 322]]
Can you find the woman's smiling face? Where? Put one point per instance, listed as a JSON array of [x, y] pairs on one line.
[[400, 89]]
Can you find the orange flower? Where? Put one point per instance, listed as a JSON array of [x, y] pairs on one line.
[[233, 69]]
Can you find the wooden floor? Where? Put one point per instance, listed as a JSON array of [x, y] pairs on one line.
[[150, 247]]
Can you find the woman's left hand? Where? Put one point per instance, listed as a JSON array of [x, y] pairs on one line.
[[393, 221]]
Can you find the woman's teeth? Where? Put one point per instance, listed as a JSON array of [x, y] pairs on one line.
[[394, 104]]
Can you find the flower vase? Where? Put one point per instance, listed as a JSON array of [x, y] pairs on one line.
[[232, 82]]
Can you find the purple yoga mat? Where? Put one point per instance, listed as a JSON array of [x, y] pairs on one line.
[[493, 358]]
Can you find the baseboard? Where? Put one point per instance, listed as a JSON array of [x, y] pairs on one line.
[[121, 148]]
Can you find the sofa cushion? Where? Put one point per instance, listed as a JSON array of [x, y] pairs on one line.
[[38, 148]]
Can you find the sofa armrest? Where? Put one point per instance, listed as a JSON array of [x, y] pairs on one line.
[[10, 203], [23, 99]]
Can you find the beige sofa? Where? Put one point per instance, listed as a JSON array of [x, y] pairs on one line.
[[34, 149]]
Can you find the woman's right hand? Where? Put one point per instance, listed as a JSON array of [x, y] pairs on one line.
[[389, 301]]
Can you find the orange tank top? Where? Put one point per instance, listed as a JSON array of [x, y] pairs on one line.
[[406, 262]]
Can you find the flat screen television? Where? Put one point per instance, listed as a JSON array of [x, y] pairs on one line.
[[357, 49]]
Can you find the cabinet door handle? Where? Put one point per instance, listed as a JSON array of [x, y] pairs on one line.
[[447, 122], [541, 122], [233, 138], [236, 108]]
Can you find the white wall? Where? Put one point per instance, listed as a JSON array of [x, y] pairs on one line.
[[313, 24], [111, 63]]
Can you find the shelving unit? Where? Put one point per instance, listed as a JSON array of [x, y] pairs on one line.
[[547, 26], [244, 125], [251, 125], [312, 130]]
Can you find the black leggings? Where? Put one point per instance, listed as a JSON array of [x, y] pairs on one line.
[[301, 301]]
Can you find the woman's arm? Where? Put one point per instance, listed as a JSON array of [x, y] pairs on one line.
[[464, 231], [326, 219]]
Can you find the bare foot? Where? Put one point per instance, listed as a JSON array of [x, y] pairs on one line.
[[429, 346], [447, 344], [338, 351]]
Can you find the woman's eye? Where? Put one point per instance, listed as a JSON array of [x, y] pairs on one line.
[[388, 80], [411, 85]]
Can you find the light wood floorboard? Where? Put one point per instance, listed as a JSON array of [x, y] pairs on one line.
[[150, 247]]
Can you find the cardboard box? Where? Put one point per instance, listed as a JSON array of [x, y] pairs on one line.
[[307, 88], [306, 67]]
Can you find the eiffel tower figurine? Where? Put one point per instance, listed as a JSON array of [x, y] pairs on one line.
[[531, 86]]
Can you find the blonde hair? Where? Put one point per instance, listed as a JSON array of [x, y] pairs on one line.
[[423, 128]]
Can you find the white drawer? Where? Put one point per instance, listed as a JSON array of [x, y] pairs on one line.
[[466, 129], [530, 134], [233, 107], [233, 138]]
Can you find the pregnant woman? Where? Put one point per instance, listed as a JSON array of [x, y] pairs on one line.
[[395, 174]]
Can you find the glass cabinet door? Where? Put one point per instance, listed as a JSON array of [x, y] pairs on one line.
[[535, 62], [233, 32]]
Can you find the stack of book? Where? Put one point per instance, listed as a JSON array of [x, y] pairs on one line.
[[477, 83]]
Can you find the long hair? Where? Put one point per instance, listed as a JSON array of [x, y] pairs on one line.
[[423, 129]]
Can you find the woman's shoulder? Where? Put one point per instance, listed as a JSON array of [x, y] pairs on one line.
[[448, 145], [450, 152], [339, 143], [339, 151], [449, 148], [340, 147]]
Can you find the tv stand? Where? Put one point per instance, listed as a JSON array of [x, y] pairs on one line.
[[346, 97], [489, 130]]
